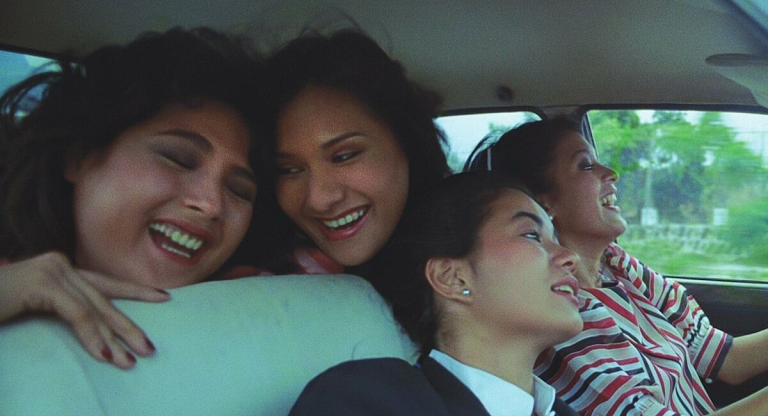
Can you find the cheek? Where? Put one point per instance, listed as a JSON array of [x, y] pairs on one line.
[[289, 196], [239, 222], [392, 179]]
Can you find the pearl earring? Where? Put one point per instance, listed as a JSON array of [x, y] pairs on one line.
[[465, 293]]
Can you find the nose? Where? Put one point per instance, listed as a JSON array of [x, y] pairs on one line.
[[609, 174], [205, 195], [565, 258], [323, 191]]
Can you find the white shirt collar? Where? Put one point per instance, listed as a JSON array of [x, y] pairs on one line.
[[498, 396]]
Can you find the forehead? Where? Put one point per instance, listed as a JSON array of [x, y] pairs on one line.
[[218, 123], [570, 143], [318, 114], [511, 201]]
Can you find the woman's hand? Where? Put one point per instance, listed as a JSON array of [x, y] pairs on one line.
[[49, 283]]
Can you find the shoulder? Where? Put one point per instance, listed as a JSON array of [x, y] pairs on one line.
[[372, 366], [381, 386]]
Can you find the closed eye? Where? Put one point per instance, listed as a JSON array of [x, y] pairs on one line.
[[182, 161], [243, 191]]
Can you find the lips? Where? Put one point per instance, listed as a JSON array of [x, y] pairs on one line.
[[345, 225], [567, 287], [182, 243]]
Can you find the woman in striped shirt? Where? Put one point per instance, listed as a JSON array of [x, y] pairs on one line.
[[646, 343]]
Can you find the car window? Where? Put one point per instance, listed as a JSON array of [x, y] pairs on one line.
[[693, 188], [15, 66], [464, 132]]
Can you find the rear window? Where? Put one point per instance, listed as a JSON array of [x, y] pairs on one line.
[[693, 188], [15, 67], [464, 132]]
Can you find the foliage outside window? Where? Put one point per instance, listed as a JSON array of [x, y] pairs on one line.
[[693, 188]]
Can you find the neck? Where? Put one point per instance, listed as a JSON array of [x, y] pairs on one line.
[[510, 360], [590, 253]]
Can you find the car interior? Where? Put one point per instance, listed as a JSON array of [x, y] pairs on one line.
[[646, 79]]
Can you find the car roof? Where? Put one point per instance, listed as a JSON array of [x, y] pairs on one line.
[[547, 53]]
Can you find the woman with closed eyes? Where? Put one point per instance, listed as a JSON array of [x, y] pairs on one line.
[[135, 172]]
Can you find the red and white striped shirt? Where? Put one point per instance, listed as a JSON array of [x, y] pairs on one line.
[[644, 342]]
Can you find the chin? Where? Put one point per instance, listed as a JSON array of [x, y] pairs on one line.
[[571, 328]]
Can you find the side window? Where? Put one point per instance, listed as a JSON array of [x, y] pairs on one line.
[[464, 132], [693, 188]]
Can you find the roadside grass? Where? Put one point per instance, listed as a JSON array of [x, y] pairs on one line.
[[666, 258]]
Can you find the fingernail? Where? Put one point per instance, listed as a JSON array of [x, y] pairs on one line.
[[107, 354], [163, 292], [149, 343], [130, 357]]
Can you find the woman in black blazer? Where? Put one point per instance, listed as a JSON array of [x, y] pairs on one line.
[[477, 278]]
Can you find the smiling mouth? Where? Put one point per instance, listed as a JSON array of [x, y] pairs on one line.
[[175, 240], [609, 201], [568, 288], [347, 221], [564, 288]]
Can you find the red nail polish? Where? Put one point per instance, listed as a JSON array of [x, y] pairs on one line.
[[130, 357], [149, 343], [107, 354]]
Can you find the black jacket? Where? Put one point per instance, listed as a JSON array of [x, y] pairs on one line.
[[390, 386]]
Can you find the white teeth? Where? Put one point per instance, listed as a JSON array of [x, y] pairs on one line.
[[349, 218], [564, 288], [175, 251], [179, 237], [609, 200]]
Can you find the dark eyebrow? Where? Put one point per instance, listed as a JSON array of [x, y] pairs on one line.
[[203, 143], [578, 152], [195, 138], [338, 139], [328, 144], [533, 217]]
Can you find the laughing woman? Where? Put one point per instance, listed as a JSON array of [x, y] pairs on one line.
[[135, 172], [646, 344], [354, 142], [483, 286]]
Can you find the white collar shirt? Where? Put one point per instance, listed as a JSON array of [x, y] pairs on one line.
[[498, 396]]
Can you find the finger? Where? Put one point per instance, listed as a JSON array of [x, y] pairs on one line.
[[74, 308], [114, 288], [118, 323], [118, 355]]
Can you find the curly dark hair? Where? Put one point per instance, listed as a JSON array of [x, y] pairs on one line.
[[86, 103]]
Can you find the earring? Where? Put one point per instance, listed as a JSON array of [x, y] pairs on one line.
[[466, 293]]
